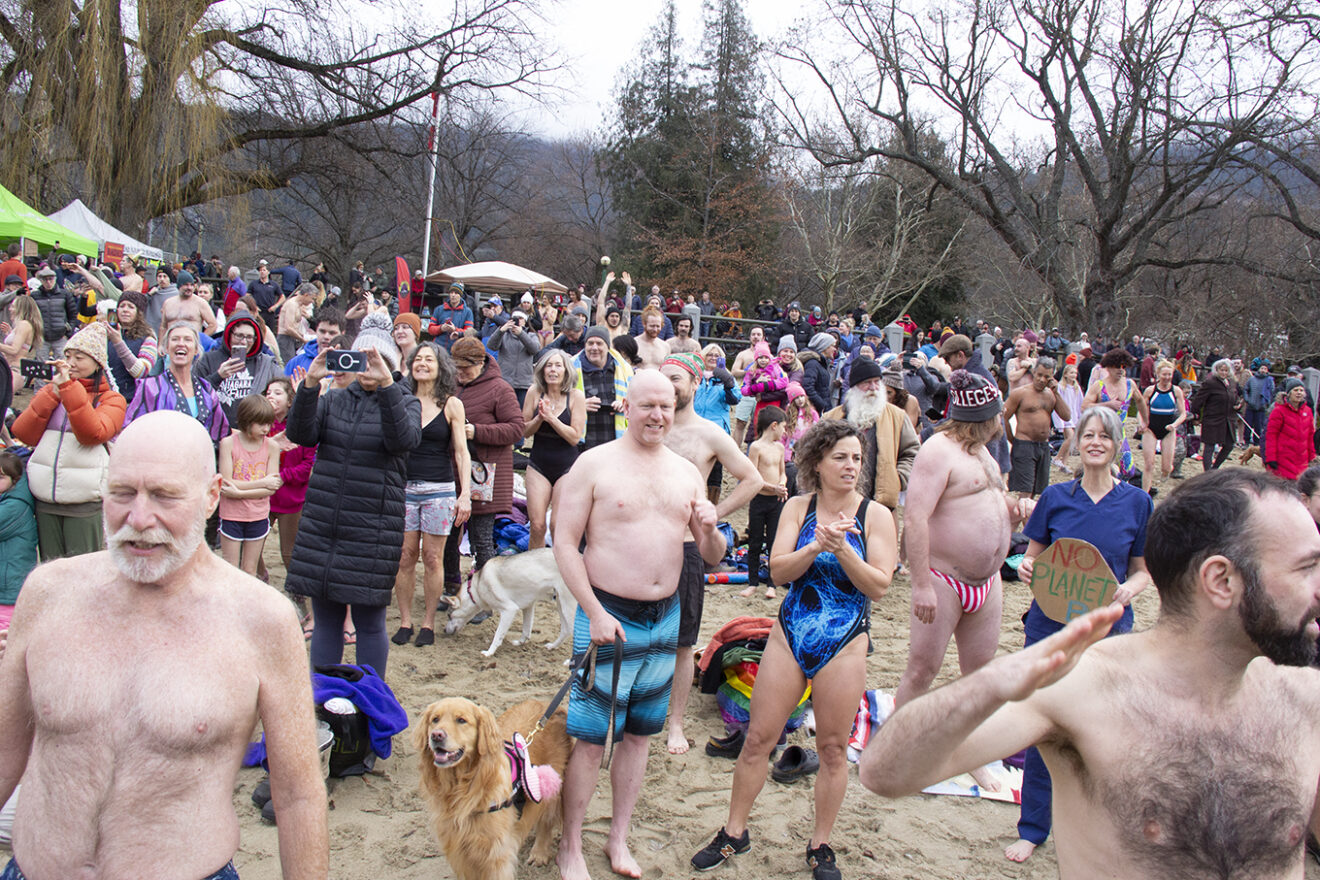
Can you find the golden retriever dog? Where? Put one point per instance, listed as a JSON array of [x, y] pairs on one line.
[[465, 772]]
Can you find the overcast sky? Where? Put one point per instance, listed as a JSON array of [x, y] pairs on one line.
[[597, 38]]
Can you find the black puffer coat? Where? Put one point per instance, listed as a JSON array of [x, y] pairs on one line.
[[351, 534]]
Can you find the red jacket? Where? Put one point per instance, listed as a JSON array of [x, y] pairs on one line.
[[1289, 440]]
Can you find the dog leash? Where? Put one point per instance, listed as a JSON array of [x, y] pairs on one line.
[[587, 659]]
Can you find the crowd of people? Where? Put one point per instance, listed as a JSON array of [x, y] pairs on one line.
[[371, 434]]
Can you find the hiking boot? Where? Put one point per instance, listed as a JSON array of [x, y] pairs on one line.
[[821, 860], [721, 848]]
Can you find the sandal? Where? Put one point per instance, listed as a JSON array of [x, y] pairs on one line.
[[307, 625], [350, 637]]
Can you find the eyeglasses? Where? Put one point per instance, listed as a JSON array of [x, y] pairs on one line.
[[243, 337]]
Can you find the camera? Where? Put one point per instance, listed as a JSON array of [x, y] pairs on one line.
[[342, 360], [30, 369]]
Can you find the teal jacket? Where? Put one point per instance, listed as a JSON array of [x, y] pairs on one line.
[[18, 539]]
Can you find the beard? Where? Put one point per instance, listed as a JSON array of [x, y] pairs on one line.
[[683, 394], [1282, 645], [149, 571], [865, 407]]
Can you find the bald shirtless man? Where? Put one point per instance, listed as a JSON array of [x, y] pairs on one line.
[[189, 307], [1190, 750], [128, 738], [650, 347], [1020, 364], [703, 443], [1029, 433], [624, 585], [957, 524]]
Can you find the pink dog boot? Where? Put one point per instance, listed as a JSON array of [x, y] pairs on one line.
[[540, 781]]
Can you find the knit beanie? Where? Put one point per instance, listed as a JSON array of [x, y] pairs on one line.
[[794, 391], [972, 398], [873, 330], [863, 369], [761, 349], [893, 377], [411, 320], [787, 341], [688, 361], [185, 277], [375, 333], [598, 332], [137, 299], [820, 342], [91, 341]]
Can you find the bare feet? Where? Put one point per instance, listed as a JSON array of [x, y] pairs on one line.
[[1020, 851], [985, 779], [572, 866], [621, 860], [747, 593], [678, 744], [770, 593]]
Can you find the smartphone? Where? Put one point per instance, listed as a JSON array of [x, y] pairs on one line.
[[342, 360], [30, 369]]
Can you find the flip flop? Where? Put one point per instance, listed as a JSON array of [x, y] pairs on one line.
[[350, 637], [795, 763], [307, 626]]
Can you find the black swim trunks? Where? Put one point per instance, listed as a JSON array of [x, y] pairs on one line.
[[691, 595]]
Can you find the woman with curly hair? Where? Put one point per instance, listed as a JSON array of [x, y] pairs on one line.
[[836, 559]]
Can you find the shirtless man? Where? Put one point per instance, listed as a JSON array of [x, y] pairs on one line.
[[957, 527], [132, 734], [1020, 364], [683, 341], [189, 307], [703, 443], [130, 279], [1190, 750], [624, 585], [742, 413], [294, 314], [1033, 404], [650, 347], [610, 315]]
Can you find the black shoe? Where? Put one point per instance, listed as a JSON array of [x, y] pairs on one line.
[[726, 747], [261, 794], [268, 813], [425, 636], [721, 848], [795, 763], [821, 860], [403, 636]]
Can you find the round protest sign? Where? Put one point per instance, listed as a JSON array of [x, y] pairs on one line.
[[1071, 578]]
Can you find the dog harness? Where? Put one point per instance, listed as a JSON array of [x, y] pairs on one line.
[[516, 770]]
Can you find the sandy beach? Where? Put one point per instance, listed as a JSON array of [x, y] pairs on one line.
[[378, 826]]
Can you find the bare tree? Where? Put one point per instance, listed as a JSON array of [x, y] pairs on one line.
[[157, 105], [1086, 133]]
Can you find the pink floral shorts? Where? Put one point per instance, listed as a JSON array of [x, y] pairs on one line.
[[429, 507]]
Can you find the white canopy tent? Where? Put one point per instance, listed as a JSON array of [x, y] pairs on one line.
[[496, 275], [80, 218]]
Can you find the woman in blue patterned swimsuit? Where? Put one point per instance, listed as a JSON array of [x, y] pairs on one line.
[[836, 560]]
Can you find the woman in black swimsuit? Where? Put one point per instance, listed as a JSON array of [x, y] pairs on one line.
[[555, 415]]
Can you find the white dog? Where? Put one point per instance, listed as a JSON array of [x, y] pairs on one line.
[[506, 585]]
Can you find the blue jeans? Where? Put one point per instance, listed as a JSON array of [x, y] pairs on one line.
[[1037, 787]]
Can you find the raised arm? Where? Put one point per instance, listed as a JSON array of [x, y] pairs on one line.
[[996, 711]]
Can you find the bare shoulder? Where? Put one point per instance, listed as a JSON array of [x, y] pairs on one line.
[[259, 609], [55, 582], [1283, 685]]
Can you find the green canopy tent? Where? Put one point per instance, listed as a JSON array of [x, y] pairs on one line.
[[19, 220]]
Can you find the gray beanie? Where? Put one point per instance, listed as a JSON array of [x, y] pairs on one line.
[[598, 332], [820, 342], [972, 398], [375, 333], [787, 341]]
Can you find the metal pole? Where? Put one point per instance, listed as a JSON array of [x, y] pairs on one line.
[[432, 149]]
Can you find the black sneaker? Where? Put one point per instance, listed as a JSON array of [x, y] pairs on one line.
[[821, 860], [721, 848], [403, 636]]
